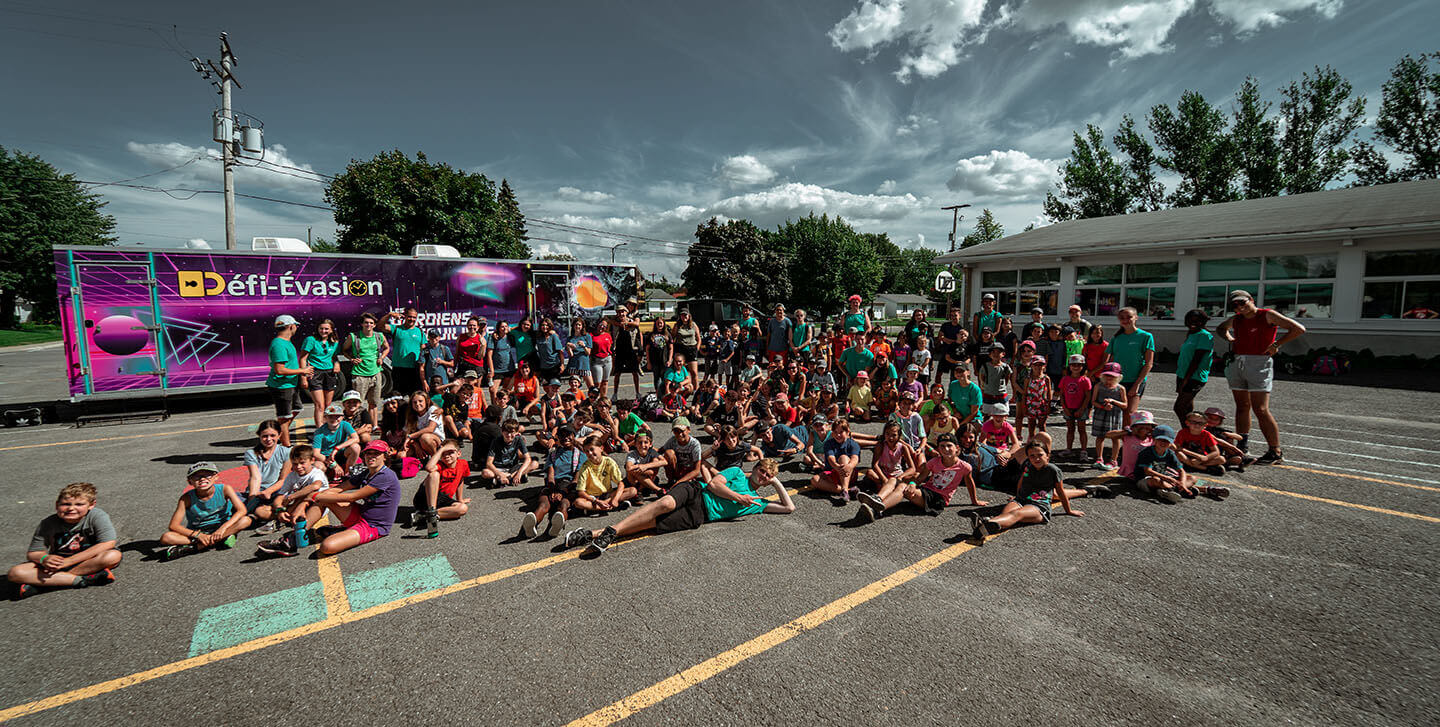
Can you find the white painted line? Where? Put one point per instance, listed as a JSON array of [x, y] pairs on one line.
[[1363, 472], [27, 348], [1365, 456], [1356, 441], [1287, 425]]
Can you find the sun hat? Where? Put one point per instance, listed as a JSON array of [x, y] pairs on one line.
[[912, 367], [1077, 358], [351, 395], [908, 396], [334, 410], [470, 374], [1111, 368], [376, 445], [1000, 408], [680, 423], [1215, 411], [988, 296], [862, 375], [1037, 361], [1142, 417]]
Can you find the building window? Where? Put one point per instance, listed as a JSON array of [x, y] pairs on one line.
[[1101, 290], [1018, 291], [1298, 286], [1402, 284]]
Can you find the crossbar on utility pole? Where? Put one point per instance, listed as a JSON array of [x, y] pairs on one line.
[[954, 228]]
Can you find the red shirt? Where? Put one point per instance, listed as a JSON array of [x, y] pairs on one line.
[[1094, 355], [1202, 442], [471, 352], [451, 477], [1254, 334], [603, 345]]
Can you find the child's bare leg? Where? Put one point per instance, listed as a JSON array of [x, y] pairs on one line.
[[453, 511], [1015, 514], [826, 483], [237, 526], [340, 542]]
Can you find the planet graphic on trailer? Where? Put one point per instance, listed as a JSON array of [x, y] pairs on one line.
[[590, 293], [120, 335]]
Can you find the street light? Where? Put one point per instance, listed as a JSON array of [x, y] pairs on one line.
[[613, 249], [954, 226]]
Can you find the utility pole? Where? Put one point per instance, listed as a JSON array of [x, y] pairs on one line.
[[954, 227], [613, 249], [227, 60]]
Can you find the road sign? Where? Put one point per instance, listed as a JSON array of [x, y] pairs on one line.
[[944, 282]]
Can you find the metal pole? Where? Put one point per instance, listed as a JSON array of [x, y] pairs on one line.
[[227, 147], [954, 229]]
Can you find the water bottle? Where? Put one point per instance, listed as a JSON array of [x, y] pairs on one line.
[[302, 538]]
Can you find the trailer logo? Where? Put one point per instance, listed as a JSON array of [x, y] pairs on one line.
[[204, 283]]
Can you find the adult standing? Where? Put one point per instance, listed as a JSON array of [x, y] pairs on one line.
[[686, 340], [1251, 372], [951, 341], [986, 317], [1037, 320], [1077, 322], [915, 327], [500, 358], [1134, 349], [285, 372], [318, 352], [629, 346], [522, 337], [366, 350], [549, 351], [602, 357], [408, 340], [856, 321], [578, 347], [657, 356], [473, 349], [747, 318], [777, 339], [802, 336]]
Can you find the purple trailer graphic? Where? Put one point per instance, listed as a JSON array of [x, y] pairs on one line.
[[143, 322]]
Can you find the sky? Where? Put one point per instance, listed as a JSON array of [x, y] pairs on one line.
[[647, 118]]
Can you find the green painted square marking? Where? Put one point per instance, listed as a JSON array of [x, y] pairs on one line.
[[394, 582], [253, 618]]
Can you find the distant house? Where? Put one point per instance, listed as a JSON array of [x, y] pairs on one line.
[[901, 305], [659, 303]]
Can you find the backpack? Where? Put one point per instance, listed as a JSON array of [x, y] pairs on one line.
[[649, 408], [1328, 365]]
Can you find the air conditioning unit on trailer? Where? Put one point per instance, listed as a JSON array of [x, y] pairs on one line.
[[435, 251], [278, 244]]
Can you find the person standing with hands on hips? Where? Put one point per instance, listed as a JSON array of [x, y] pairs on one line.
[[1134, 349], [1251, 372]]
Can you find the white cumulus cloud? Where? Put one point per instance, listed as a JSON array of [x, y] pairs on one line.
[[1251, 15], [886, 187], [1008, 173], [797, 200], [936, 31], [275, 169], [583, 195], [1135, 27], [745, 169]]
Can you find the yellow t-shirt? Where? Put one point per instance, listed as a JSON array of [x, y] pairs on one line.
[[598, 476], [861, 397]]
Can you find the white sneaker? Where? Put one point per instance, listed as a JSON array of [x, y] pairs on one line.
[[557, 524], [267, 528], [1168, 495], [530, 526]]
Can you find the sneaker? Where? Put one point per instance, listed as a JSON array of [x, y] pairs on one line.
[[1098, 464], [1099, 491], [557, 524], [268, 528], [1215, 470], [1271, 456], [865, 514], [624, 505], [25, 590], [417, 518], [578, 537], [977, 526], [279, 547], [530, 526], [176, 551], [227, 543], [603, 542], [877, 505], [1217, 492], [1168, 495], [100, 578], [1246, 461], [990, 527], [432, 525]]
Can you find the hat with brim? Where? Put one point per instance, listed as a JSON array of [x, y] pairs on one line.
[[202, 467]]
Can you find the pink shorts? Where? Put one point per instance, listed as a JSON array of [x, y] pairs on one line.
[[357, 523]]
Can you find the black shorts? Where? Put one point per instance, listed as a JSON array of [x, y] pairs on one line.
[[441, 500], [689, 512], [690, 352], [561, 487], [286, 401], [325, 381], [1193, 387], [405, 381]]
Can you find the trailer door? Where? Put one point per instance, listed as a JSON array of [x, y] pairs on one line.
[[551, 298], [119, 320]]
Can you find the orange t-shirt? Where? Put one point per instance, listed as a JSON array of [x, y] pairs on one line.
[[527, 389], [476, 404]]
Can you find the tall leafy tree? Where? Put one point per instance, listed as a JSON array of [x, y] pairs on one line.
[[916, 272], [889, 255], [1319, 118], [1408, 123], [1146, 189], [1195, 144], [510, 214], [390, 203], [827, 261], [40, 207], [735, 260], [986, 229], [1256, 136], [1092, 183]]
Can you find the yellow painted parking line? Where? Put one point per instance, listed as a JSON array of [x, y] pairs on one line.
[[336, 602], [720, 663], [1343, 503], [124, 436], [130, 680], [1356, 477]]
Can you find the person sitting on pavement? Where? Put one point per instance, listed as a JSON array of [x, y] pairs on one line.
[[208, 515], [1040, 481], [74, 548]]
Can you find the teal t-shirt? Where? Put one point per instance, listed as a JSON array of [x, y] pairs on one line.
[[365, 354], [798, 335], [283, 352], [324, 439], [855, 322], [406, 343], [720, 508], [1200, 343], [523, 341], [1128, 350], [990, 320], [856, 360], [322, 353], [964, 396]]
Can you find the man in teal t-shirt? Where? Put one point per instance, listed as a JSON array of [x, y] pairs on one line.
[[857, 358], [1192, 369], [285, 372], [405, 358]]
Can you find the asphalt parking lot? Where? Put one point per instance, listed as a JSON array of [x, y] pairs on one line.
[[1308, 597]]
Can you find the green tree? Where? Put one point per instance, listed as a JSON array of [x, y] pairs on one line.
[[1408, 123], [891, 260], [916, 272], [1319, 118], [1092, 183], [40, 207], [828, 261], [1146, 191], [391, 203], [560, 256], [735, 260], [1256, 136], [510, 214], [1195, 144], [986, 229], [323, 245]]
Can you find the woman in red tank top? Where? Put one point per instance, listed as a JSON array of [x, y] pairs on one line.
[[1250, 373]]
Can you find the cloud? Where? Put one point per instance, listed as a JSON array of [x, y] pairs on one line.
[[1007, 173], [197, 243], [1251, 15], [581, 195], [936, 31], [201, 167], [797, 200], [886, 187], [1136, 27], [745, 169]]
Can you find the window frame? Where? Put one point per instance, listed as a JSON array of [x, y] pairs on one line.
[[1010, 299], [1404, 282], [1257, 287], [1124, 286]]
